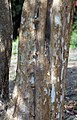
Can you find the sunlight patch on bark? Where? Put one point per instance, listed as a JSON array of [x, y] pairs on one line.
[[2, 47], [57, 19], [56, 4], [15, 92], [53, 93]]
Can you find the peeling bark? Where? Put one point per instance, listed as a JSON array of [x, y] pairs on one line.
[[31, 69], [60, 19], [42, 60]]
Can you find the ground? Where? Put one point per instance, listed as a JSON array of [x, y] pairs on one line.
[[71, 86]]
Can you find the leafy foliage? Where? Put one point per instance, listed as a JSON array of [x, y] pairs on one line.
[[73, 43], [16, 6], [15, 46]]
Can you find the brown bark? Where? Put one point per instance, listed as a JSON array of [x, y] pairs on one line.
[[5, 47], [61, 26], [42, 60], [31, 66]]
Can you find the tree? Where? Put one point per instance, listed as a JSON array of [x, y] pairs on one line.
[[5, 47], [62, 14], [42, 59]]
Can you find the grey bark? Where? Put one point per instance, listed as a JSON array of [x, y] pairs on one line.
[[5, 47]]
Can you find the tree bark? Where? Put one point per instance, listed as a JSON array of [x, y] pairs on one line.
[[61, 19], [5, 47], [57, 59], [40, 84]]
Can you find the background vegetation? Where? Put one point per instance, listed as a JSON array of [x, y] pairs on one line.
[[73, 43], [16, 16]]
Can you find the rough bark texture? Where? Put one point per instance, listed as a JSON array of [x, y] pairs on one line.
[[5, 47], [39, 90], [61, 20]]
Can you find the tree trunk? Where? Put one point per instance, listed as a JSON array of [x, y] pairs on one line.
[[5, 47], [61, 20], [40, 84]]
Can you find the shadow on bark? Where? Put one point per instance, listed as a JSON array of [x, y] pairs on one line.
[[5, 47], [16, 16]]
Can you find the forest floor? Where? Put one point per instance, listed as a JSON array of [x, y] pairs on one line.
[[71, 87], [71, 84]]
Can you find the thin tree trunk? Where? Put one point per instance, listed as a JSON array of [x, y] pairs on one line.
[[5, 47], [60, 40]]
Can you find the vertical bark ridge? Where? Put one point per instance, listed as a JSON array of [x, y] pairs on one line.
[[42, 99], [59, 44], [56, 61]]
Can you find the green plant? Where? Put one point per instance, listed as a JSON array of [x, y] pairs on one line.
[[73, 43], [15, 46]]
